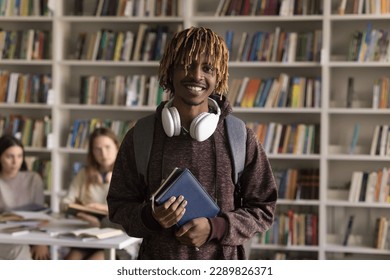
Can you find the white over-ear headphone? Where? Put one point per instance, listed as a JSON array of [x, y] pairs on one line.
[[202, 127]]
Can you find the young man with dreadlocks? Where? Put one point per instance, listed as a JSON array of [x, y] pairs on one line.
[[190, 132]]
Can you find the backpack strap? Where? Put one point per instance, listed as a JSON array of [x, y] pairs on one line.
[[143, 140], [236, 131]]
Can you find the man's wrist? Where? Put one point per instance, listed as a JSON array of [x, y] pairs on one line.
[[148, 219], [218, 228]]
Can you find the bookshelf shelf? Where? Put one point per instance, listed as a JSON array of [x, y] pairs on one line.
[[23, 62], [107, 108], [26, 19], [353, 64], [240, 110], [107, 19], [38, 150], [311, 202], [290, 156], [285, 248], [75, 151], [332, 248], [116, 64], [368, 158], [240, 19], [335, 121], [359, 111], [343, 203], [262, 64], [29, 106], [350, 18]]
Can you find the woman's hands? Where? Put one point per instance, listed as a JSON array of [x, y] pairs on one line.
[[98, 206], [92, 220], [40, 252]]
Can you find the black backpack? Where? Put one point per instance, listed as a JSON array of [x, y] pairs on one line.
[[236, 130]]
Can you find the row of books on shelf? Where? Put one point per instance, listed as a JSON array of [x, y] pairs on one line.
[[382, 235], [370, 186], [359, 7], [24, 8], [281, 92], [33, 132], [25, 44], [277, 46], [135, 90], [128, 8], [24, 88], [80, 130], [369, 45], [291, 229], [297, 183], [295, 138], [147, 44], [268, 7], [381, 93], [42, 167], [380, 143]]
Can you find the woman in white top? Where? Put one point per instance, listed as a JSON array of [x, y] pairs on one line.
[[18, 188], [90, 185]]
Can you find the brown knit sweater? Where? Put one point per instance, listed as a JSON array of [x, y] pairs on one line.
[[209, 161]]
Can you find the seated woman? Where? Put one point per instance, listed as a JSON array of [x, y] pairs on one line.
[[19, 188], [90, 185]]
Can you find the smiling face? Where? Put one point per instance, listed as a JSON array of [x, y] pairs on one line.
[[11, 161], [192, 85], [190, 48]]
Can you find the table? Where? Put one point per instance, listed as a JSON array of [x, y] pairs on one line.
[[62, 224]]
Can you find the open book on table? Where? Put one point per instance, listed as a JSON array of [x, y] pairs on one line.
[[18, 230], [24, 217], [74, 208], [10, 216], [90, 233], [183, 182]]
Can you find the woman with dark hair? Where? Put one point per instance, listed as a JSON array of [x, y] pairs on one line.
[[90, 185], [18, 188]]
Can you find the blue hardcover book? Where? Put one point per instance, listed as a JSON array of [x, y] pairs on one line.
[[229, 42], [264, 94], [183, 182]]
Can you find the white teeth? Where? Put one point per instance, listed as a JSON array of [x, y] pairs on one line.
[[195, 88]]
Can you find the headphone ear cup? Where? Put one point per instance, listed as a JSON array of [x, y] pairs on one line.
[[194, 124], [176, 120], [167, 122], [170, 120], [203, 126]]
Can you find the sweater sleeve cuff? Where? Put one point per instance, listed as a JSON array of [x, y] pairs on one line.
[[148, 219], [218, 228]]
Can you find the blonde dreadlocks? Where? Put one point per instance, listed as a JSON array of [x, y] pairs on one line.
[[186, 46]]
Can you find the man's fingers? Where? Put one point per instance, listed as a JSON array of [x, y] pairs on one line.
[[170, 213]]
